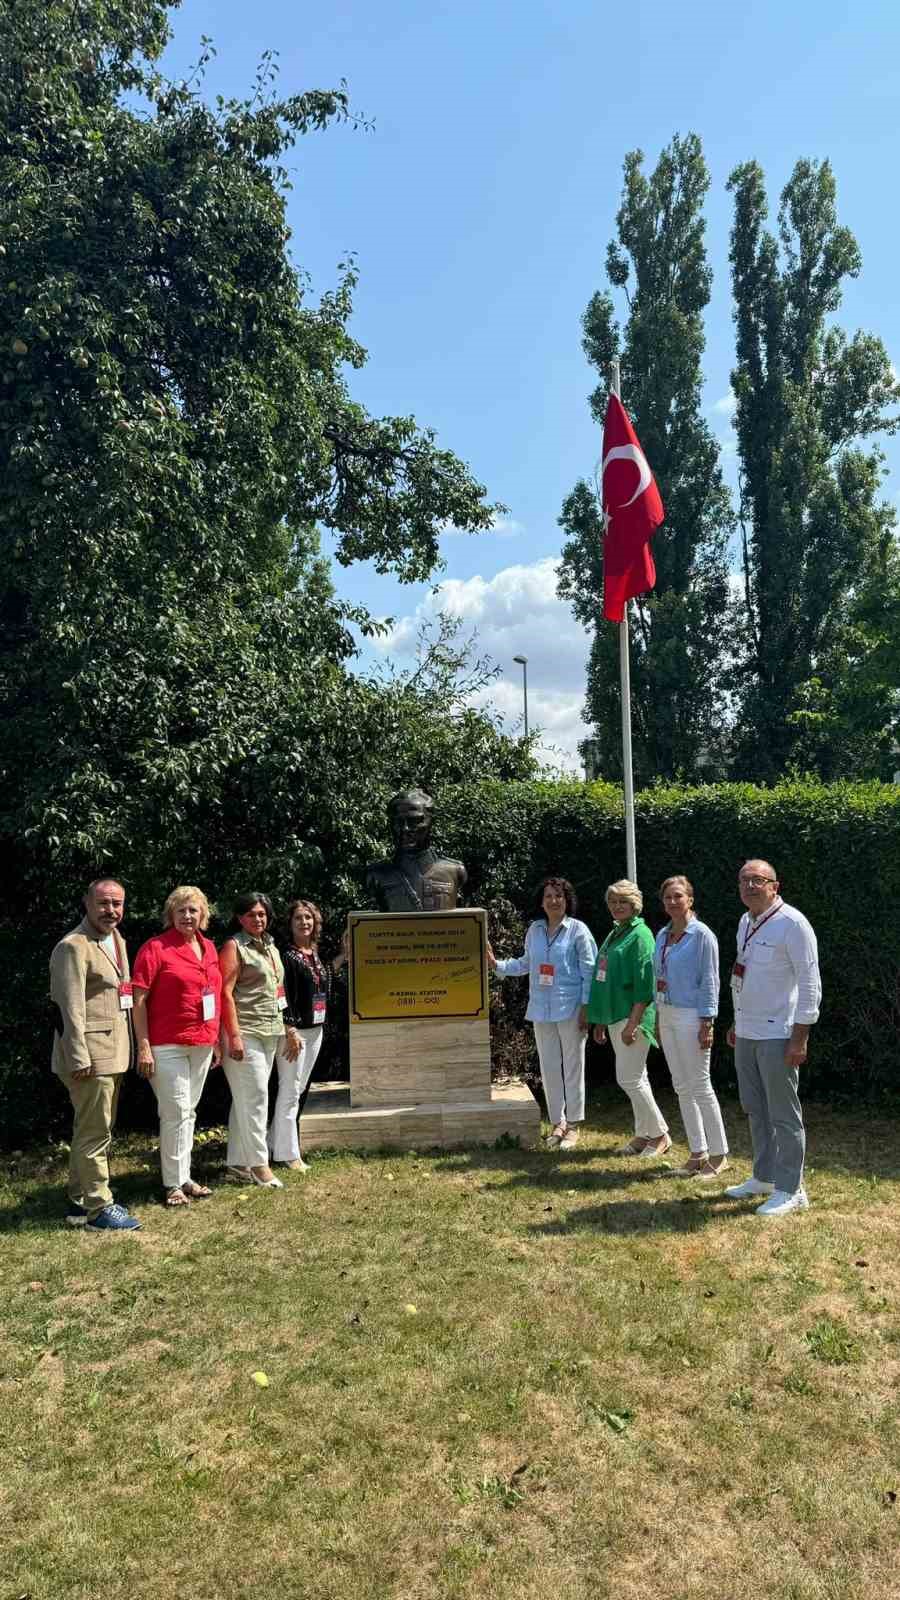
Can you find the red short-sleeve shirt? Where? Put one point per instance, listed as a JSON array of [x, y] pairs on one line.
[[176, 982]]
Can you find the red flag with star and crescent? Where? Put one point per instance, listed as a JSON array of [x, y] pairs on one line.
[[633, 510]]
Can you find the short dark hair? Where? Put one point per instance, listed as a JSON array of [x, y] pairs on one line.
[[556, 883], [96, 882], [245, 903]]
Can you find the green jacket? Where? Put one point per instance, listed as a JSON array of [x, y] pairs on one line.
[[628, 953]]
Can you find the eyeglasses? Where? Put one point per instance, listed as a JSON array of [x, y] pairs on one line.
[[754, 882]]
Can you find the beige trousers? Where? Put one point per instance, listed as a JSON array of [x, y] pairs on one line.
[[95, 1101]]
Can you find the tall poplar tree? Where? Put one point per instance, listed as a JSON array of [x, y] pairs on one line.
[[658, 262], [820, 557]]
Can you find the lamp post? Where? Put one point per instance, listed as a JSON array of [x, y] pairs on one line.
[[522, 661]]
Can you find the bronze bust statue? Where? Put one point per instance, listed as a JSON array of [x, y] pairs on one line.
[[416, 878]]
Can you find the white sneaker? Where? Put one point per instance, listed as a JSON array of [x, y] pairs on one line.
[[750, 1186], [782, 1202]]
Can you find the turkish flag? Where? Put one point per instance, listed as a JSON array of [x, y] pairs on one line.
[[633, 510]]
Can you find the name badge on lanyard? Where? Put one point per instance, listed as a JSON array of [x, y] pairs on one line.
[[126, 996], [318, 1009], [546, 972], [281, 998], [662, 989], [208, 1002], [600, 974], [737, 976]]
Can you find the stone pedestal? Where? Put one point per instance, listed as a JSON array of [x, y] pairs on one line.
[[420, 1054], [331, 1123]]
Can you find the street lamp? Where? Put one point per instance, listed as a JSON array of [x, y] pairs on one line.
[[522, 661]]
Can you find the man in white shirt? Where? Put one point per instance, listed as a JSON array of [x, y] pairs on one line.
[[777, 992]]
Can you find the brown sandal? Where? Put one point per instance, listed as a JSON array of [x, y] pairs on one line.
[[176, 1197], [693, 1166]]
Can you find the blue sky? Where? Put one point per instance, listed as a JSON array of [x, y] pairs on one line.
[[479, 208]]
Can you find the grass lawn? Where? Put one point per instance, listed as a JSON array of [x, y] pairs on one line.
[[498, 1374]]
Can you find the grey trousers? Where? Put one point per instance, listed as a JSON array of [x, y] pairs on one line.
[[768, 1089]]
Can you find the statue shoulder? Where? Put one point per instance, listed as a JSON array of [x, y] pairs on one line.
[[377, 869]]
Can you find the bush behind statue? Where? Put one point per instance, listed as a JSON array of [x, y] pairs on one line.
[[836, 847]]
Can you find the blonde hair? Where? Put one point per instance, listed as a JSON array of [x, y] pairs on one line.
[[624, 889], [180, 897], [677, 877]]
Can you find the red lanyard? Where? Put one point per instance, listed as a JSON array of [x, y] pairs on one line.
[[665, 949], [312, 963], [751, 933]]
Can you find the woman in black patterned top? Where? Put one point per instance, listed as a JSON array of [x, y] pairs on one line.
[[307, 986]]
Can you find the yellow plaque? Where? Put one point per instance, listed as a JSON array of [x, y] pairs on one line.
[[418, 964]]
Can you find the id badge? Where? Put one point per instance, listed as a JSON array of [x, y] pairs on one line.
[[126, 997], [546, 971], [281, 998], [662, 989], [208, 1001], [600, 974], [319, 1005], [737, 976]]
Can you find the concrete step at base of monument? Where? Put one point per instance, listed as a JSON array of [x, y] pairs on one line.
[[330, 1122]]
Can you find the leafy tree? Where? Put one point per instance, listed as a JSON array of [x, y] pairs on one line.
[[175, 421], [658, 260], [820, 557]]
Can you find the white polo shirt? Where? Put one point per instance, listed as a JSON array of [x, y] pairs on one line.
[[781, 983]]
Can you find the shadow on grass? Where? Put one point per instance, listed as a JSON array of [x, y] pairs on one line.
[[44, 1206], [688, 1215]]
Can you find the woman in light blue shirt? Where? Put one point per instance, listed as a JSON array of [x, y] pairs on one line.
[[559, 958], [686, 964]]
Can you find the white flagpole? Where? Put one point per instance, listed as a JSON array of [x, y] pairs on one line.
[[625, 693]]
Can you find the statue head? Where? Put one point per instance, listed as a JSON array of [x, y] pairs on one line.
[[411, 813]]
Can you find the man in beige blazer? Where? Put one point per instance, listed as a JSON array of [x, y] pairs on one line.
[[90, 987]]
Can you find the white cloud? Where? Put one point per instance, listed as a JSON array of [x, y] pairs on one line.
[[517, 612], [727, 406]]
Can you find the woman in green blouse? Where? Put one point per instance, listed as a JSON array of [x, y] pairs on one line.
[[621, 1005]]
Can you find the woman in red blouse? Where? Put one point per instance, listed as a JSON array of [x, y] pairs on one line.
[[177, 1017]]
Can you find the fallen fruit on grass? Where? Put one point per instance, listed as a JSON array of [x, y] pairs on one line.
[[260, 1379], [411, 1311]]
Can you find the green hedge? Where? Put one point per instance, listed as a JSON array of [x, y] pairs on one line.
[[835, 846]]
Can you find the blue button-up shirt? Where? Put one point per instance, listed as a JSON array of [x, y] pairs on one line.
[[572, 953], [691, 969]]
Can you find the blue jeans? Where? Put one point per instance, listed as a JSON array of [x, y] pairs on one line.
[[768, 1088]]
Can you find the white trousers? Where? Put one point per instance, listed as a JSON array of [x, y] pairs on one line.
[[689, 1066], [248, 1081], [178, 1083], [293, 1078], [631, 1075], [560, 1048]]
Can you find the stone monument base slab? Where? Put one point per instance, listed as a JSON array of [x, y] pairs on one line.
[[330, 1122], [420, 1061]]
